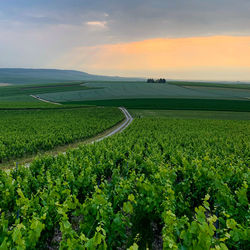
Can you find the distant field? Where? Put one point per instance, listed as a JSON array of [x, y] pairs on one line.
[[19, 95], [22, 101], [40, 89], [138, 95], [135, 90], [190, 114], [175, 104], [211, 84]]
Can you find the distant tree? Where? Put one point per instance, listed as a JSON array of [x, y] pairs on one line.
[[161, 80], [150, 80]]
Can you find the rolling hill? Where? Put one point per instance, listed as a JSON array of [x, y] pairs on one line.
[[32, 76]]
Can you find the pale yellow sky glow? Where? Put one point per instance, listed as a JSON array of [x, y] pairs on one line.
[[204, 58], [97, 24]]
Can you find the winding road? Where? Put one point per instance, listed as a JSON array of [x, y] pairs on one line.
[[125, 124]]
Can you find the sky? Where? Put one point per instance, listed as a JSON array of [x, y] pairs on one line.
[[177, 39]]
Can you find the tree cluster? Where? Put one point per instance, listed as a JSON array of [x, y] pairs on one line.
[[161, 80]]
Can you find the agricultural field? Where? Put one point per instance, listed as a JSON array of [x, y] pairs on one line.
[[19, 96], [162, 183], [26, 132], [15, 90], [190, 114], [228, 85], [193, 96], [172, 104], [142, 90]]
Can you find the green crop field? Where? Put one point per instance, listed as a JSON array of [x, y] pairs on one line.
[[15, 90], [169, 103], [238, 85], [19, 95], [131, 95], [142, 90], [171, 184], [25, 132], [190, 114]]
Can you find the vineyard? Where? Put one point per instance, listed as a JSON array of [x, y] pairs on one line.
[[160, 184], [25, 132]]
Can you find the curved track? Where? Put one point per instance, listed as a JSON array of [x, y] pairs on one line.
[[124, 125]]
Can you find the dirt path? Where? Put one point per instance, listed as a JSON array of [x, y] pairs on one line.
[[125, 124], [43, 100], [63, 149]]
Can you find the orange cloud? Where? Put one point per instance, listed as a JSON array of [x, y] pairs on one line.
[[196, 54]]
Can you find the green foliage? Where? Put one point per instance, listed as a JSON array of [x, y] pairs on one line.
[[171, 184], [26, 132]]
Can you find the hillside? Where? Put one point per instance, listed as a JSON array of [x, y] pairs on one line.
[[28, 76]]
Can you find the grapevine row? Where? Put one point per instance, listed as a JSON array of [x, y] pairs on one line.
[[160, 184]]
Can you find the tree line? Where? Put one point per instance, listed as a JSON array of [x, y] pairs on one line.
[[161, 80]]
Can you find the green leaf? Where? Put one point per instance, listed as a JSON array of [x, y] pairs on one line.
[[131, 197], [127, 208], [133, 247], [231, 223]]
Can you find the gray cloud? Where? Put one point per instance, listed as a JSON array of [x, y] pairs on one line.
[[45, 29], [143, 18]]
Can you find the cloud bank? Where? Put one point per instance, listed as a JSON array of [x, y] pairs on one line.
[[225, 57]]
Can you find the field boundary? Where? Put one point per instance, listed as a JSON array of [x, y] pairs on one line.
[[171, 104], [43, 100], [61, 107]]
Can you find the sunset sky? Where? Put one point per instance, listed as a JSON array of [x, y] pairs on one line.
[[180, 39]]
